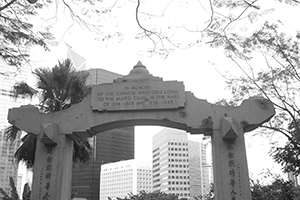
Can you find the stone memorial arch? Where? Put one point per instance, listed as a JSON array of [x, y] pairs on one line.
[[141, 99]]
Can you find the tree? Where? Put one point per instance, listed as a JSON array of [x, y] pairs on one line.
[[17, 34], [150, 196], [216, 23], [59, 88], [209, 196], [278, 189], [24, 25], [276, 79]]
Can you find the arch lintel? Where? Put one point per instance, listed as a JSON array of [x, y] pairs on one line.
[[143, 99]]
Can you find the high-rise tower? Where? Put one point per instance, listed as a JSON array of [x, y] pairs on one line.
[[8, 77], [109, 146], [124, 177], [178, 164]]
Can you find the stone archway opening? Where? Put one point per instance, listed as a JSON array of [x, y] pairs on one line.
[[142, 99]]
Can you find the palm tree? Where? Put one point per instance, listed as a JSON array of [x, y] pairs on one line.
[[58, 88]]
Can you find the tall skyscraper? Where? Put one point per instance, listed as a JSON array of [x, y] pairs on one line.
[[109, 146], [121, 178], [178, 164], [8, 77], [207, 169]]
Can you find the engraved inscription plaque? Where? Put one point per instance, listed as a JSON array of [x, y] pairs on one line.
[[138, 95]]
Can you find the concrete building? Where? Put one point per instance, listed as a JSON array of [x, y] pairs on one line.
[[294, 179], [207, 169], [109, 146], [178, 164], [8, 166], [124, 177]]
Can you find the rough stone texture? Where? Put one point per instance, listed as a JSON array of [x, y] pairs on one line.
[[225, 124], [52, 169]]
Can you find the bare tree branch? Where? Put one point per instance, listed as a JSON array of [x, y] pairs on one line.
[[7, 5]]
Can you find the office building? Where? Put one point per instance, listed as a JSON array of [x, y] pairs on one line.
[[109, 146], [8, 165], [207, 169], [295, 179], [178, 164], [125, 177]]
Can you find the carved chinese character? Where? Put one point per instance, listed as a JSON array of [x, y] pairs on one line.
[[48, 176], [50, 150], [230, 155], [232, 172], [230, 146], [232, 182], [49, 167], [231, 163], [46, 196], [49, 159], [47, 185], [233, 192]]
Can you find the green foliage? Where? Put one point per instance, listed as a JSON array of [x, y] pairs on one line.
[[288, 156], [82, 152], [209, 196], [59, 88], [22, 89], [222, 24], [150, 196], [277, 80], [17, 33], [277, 190], [26, 192], [12, 133], [26, 152]]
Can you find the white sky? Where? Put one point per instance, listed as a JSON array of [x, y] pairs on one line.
[[197, 68]]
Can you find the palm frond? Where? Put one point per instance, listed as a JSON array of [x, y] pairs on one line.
[[23, 89], [82, 152], [14, 192], [12, 133], [26, 152], [4, 193], [59, 87]]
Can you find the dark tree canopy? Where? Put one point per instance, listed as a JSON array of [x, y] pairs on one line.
[[58, 88], [277, 190], [150, 196]]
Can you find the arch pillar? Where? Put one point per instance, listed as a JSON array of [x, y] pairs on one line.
[[230, 169], [53, 165], [142, 99]]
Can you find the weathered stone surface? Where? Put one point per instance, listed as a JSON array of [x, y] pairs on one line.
[[52, 172], [49, 136], [229, 129], [140, 95], [225, 124], [81, 120]]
